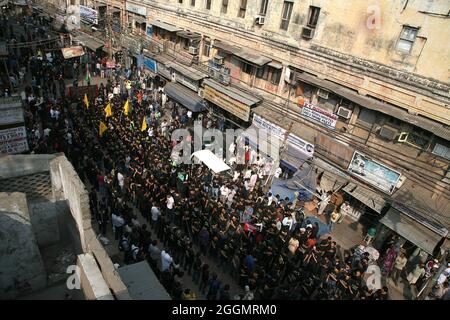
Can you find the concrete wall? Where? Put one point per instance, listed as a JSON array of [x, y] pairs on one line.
[[92, 283], [21, 267], [45, 223], [68, 186], [20, 165]]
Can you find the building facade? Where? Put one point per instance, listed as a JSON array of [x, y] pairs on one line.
[[358, 80]]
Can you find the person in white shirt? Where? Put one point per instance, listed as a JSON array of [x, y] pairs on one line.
[[253, 179], [278, 172], [118, 222], [166, 260], [271, 199], [288, 222], [224, 191], [120, 180], [230, 198], [236, 175], [47, 132], [155, 216], [248, 174], [164, 125]]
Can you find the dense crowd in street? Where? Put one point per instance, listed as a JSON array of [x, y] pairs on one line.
[[263, 241]]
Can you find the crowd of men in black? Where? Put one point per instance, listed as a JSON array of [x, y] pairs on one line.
[[188, 219]]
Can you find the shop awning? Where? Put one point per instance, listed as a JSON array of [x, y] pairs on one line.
[[189, 72], [373, 104], [188, 35], [411, 230], [140, 20], [165, 26], [232, 92], [184, 96], [275, 65], [115, 10], [211, 160], [366, 196], [90, 42], [243, 53]]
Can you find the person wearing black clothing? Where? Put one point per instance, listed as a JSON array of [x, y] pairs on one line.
[[204, 278], [214, 286], [224, 293], [196, 268], [189, 258]]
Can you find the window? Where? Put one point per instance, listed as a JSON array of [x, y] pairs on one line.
[[180, 1], [367, 116], [208, 4], [313, 16], [442, 149], [418, 137], [185, 43], [286, 15], [242, 9], [406, 40], [247, 68], [275, 75], [192, 3], [262, 73], [263, 9], [304, 89], [224, 8], [206, 49]]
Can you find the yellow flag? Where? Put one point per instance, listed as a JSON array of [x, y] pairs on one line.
[[125, 108], [86, 100], [102, 128], [144, 125], [108, 111]]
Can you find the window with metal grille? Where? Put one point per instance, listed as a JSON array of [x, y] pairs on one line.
[[247, 68], [406, 40], [192, 3], [286, 15], [242, 9], [224, 8], [208, 4], [206, 48], [313, 16]]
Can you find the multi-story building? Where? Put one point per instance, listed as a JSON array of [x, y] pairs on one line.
[[358, 80]]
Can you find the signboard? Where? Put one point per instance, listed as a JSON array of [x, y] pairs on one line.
[[72, 52], [373, 172], [11, 115], [234, 107], [13, 140], [304, 146], [10, 102], [150, 64], [136, 9], [319, 115], [149, 31], [88, 15]]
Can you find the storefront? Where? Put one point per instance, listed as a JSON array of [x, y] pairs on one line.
[[235, 102], [185, 97], [416, 232]]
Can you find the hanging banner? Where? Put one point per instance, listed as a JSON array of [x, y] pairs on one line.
[[13, 141], [373, 172], [72, 52], [304, 146], [88, 15], [318, 115]]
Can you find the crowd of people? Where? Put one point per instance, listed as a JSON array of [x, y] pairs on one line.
[[193, 217]]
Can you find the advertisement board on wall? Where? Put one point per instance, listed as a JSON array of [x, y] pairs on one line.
[[304, 146], [234, 107], [88, 15], [136, 9], [13, 141], [11, 115], [319, 115], [373, 172], [150, 64]]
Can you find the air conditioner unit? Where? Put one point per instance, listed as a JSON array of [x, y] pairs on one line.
[[201, 93], [260, 20], [218, 60], [307, 33], [403, 137], [344, 112], [388, 133], [323, 93], [193, 50]]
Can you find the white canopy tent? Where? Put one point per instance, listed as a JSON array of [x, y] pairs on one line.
[[212, 161]]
